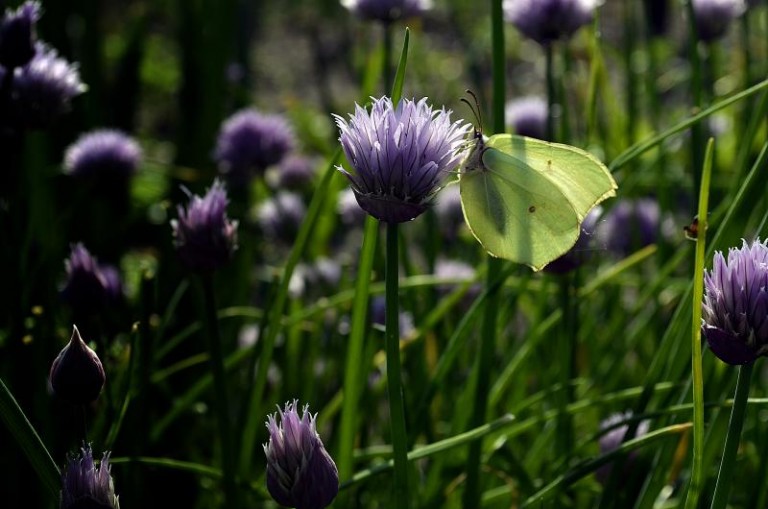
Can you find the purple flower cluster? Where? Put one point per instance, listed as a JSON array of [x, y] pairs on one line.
[[630, 225], [528, 116], [546, 21], [387, 11], [735, 308], [712, 17], [204, 236], [89, 285], [250, 141], [400, 155], [104, 152], [84, 485], [300, 472]]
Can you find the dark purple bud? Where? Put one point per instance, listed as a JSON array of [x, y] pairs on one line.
[[77, 375], [713, 17], [86, 486], [249, 142], [735, 308], [528, 116], [44, 88], [204, 236], [300, 472], [280, 217], [546, 21], [400, 155], [17, 35], [387, 11], [89, 286], [581, 251], [105, 152]]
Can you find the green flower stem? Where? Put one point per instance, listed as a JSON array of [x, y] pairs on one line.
[[221, 402], [394, 383], [735, 424], [697, 470], [355, 358], [472, 491]]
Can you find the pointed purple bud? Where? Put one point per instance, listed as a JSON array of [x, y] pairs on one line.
[[400, 155], [300, 473], [17, 35], [735, 308], [77, 375], [86, 486], [204, 236]]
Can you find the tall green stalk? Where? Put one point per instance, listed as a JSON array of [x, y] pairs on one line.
[[394, 382], [697, 470], [735, 425], [472, 490], [221, 402]]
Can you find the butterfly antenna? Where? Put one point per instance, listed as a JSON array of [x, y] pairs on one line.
[[475, 109]]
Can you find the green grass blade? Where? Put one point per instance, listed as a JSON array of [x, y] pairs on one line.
[[397, 85]]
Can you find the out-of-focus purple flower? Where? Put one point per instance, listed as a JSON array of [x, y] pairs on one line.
[[454, 269], [204, 236], [712, 17], [657, 16], [630, 225], [281, 216], [735, 309], [528, 116], [379, 316], [104, 152], [44, 87], [349, 210], [86, 486], [580, 252], [77, 375], [17, 35], [89, 285], [300, 472], [546, 21], [250, 141], [613, 438], [449, 211], [387, 11], [399, 155], [295, 172]]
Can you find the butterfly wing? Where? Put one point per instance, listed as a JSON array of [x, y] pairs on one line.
[[526, 199]]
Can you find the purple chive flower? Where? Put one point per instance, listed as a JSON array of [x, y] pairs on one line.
[[295, 172], [580, 251], [300, 473], [250, 142], [546, 21], [712, 17], [387, 11], [89, 285], [45, 86], [77, 375], [204, 236], [281, 216], [17, 35], [528, 116], [86, 486], [735, 309], [630, 225], [613, 438], [400, 155], [106, 152]]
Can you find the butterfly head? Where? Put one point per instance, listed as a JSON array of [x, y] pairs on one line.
[[475, 145]]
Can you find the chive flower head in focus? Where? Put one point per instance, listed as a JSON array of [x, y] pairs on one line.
[[86, 486]]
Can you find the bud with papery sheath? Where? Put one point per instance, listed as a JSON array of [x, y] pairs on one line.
[[300, 473], [77, 375]]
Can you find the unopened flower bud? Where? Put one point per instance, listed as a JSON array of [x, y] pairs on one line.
[[77, 375]]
